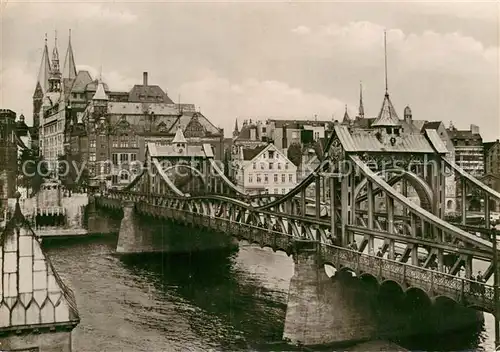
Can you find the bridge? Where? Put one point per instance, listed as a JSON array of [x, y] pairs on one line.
[[401, 246]]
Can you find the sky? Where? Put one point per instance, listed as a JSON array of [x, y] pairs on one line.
[[255, 60]]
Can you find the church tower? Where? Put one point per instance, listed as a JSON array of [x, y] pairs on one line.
[[69, 69], [55, 74], [42, 85]]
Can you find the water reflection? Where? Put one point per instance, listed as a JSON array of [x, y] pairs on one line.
[[222, 303]]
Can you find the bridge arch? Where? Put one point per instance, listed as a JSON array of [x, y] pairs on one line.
[[424, 192]]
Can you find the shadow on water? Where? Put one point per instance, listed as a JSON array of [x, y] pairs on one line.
[[246, 314]]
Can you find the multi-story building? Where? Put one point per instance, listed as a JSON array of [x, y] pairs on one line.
[[8, 155], [469, 149], [77, 114], [450, 182], [492, 168], [264, 169]]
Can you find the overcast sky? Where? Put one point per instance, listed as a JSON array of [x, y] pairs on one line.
[[289, 60]]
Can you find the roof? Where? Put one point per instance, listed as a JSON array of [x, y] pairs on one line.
[[172, 151], [366, 141], [92, 86], [436, 141], [431, 125], [40, 298], [346, 116], [487, 145], [45, 69], [140, 93], [179, 137], [250, 153], [387, 115], [69, 68], [462, 134], [82, 79], [100, 94], [298, 123]]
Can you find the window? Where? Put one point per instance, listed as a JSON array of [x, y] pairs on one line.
[[271, 154], [123, 157], [290, 178], [275, 178], [250, 178], [254, 166], [114, 179], [124, 176], [266, 180], [316, 136], [270, 166], [114, 158], [133, 142], [259, 180], [91, 156], [133, 157], [283, 191], [283, 178], [115, 142], [286, 166], [275, 191], [262, 166], [279, 166], [92, 143], [124, 142]]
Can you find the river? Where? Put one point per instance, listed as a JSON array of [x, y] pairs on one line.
[[215, 301]]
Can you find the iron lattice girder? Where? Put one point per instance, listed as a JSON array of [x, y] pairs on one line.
[[254, 228]]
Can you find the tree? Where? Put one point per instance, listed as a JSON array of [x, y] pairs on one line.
[[70, 166], [294, 153], [32, 170]]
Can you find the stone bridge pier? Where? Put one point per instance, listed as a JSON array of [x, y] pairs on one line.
[[141, 233], [346, 308], [101, 221]]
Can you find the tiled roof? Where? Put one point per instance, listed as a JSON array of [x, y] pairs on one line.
[[82, 79], [298, 123], [431, 125], [387, 115], [250, 153], [171, 150], [92, 86], [366, 141], [436, 141], [154, 93], [123, 108], [40, 297]]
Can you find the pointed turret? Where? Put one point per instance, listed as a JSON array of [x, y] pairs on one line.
[[361, 111], [236, 130], [69, 69], [179, 137], [55, 73], [44, 72], [100, 93], [346, 119], [387, 115]]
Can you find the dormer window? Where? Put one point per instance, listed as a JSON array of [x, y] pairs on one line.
[[388, 130]]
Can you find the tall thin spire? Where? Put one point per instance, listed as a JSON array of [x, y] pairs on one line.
[[385, 60], [69, 69], [361, 111], [44, 71], [55, 56]]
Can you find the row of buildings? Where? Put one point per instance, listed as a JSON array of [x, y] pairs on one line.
[[257, 172], [75, 113]]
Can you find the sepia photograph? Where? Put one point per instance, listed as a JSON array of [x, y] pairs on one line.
[[249, 176]]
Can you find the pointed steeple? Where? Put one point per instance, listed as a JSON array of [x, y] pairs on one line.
[[69, 69], [387, 116], [361, 111], [44, 71], [346, 119], [55, 57], [179, 137], [236, 130], [100, 93]]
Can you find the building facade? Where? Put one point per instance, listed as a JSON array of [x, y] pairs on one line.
[[469, 149], [107, 130], [264, 169], [8, 155]]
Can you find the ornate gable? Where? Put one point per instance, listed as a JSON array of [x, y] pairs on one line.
[[123, 127], [162, 127], [194, 128]]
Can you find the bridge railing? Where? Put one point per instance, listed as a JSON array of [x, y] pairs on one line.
[[435, 283]]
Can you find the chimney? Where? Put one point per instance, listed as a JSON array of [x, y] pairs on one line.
[[474, 129], [145, 78], [253, 134]]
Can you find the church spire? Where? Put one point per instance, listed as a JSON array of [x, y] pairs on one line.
[[55, 56], [347, 119], [361, 111], [69, 69], [44, 71], [385, 61]]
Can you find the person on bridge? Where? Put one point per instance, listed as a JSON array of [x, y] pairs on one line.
[[379, 252], [354, 246]]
